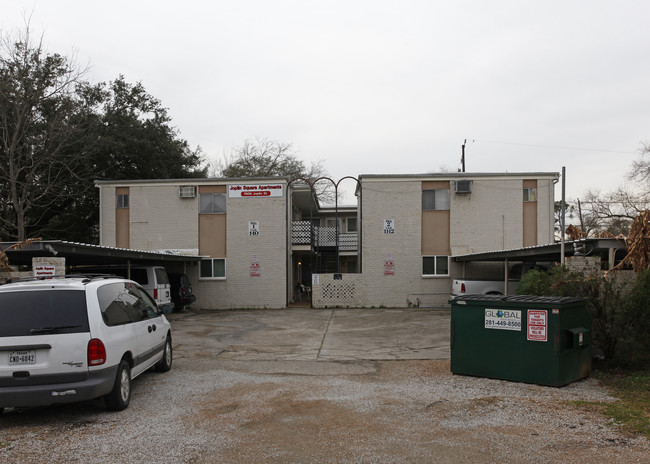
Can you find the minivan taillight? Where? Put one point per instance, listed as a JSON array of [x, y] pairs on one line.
[[96, 352], [155, 293]]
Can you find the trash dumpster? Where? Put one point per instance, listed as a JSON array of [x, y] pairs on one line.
[[541, 340]]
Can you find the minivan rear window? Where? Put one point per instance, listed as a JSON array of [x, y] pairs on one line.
[[43, 312], [161, 276]]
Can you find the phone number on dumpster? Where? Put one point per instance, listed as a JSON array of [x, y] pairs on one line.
[[502, 319]]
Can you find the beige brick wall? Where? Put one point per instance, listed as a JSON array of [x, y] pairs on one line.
[[107, 216], [402, 202], [490, 218], [239, 289], [161, 220]]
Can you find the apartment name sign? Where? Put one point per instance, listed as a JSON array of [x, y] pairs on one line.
[[255, 190]]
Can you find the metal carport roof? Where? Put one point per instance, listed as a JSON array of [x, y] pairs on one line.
[[551, 251], [85, 253]]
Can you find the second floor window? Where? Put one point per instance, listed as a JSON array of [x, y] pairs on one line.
[[122, 201], [530, 194], [436, 199], [212, 203]]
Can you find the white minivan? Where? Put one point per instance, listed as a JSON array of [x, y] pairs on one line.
[[68, 339]]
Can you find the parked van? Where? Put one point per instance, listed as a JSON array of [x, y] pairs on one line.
[[153, 279]]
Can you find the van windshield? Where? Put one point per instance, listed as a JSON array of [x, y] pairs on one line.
[[39, 312]]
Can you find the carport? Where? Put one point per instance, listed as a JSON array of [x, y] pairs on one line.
[[610, 250], [82, 254]]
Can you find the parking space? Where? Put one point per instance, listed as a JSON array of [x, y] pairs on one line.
[[315, 335]]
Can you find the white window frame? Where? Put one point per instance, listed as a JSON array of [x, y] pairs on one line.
[[435, 266], [527, 194], [122, 201], [436, 205], [225, 269], [212, 203]]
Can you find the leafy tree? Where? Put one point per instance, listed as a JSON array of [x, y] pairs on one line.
[[40, 135], [130, 137], [261, 157], [58, 133]]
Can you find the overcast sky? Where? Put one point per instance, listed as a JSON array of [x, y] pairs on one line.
[[382, 87]]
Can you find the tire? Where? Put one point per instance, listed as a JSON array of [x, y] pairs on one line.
[[165, 363], [118, 399]]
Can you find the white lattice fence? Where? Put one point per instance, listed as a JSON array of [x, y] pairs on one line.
[[344, 291]]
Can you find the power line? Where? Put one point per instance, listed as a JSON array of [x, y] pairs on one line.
[[554, 147]]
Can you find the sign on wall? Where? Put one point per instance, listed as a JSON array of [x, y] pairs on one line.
[[253, 228], [44, 270], [255, 267], [389, 226], [255, 190], [389, 265]]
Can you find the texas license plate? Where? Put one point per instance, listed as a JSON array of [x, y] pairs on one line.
[[19, 358]]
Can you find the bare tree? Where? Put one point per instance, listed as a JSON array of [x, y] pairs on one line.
[[261, 157], [39, 129]]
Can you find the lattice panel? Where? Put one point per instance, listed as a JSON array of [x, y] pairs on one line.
[[338, 292]]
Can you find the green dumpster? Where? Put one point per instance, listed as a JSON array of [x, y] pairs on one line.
[[541, 340]]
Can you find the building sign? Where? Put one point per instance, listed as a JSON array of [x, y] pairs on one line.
[[255, 267], [255, 190], [502, 319], [537, 325], [389, 226], [44, 270], [389, 265], [253, 228]]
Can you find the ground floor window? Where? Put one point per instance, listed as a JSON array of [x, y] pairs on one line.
[[435, 265], [214, 268]]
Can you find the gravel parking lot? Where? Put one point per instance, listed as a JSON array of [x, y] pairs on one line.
[[324, 386]]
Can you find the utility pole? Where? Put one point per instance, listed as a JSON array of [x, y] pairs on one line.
[[462, 158]]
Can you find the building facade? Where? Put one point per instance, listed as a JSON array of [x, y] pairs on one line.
[[268, 242]]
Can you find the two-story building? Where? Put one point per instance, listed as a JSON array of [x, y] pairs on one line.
[[266, 242]]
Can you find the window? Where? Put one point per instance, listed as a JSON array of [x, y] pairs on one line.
[[124, 303], [122, 201], [530, 194], [437, 199], [435, 265], [352, 224], [213, 268], [212, 203]]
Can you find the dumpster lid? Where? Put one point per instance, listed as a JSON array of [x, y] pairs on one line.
[[522, 299]]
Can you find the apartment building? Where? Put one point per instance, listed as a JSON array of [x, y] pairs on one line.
[[267, 242]]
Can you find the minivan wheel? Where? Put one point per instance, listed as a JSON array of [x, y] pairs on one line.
[[165, 362], [118, 399]]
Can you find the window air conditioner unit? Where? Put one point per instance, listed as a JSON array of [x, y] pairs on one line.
[[463, 186], [187, 192]]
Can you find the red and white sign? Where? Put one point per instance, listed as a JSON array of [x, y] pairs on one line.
[[389, 267], [255, 190], [537, 325], [44, 270], [255, 267]]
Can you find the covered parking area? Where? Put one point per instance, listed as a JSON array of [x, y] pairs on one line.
[[610, 251], [72, 256]]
